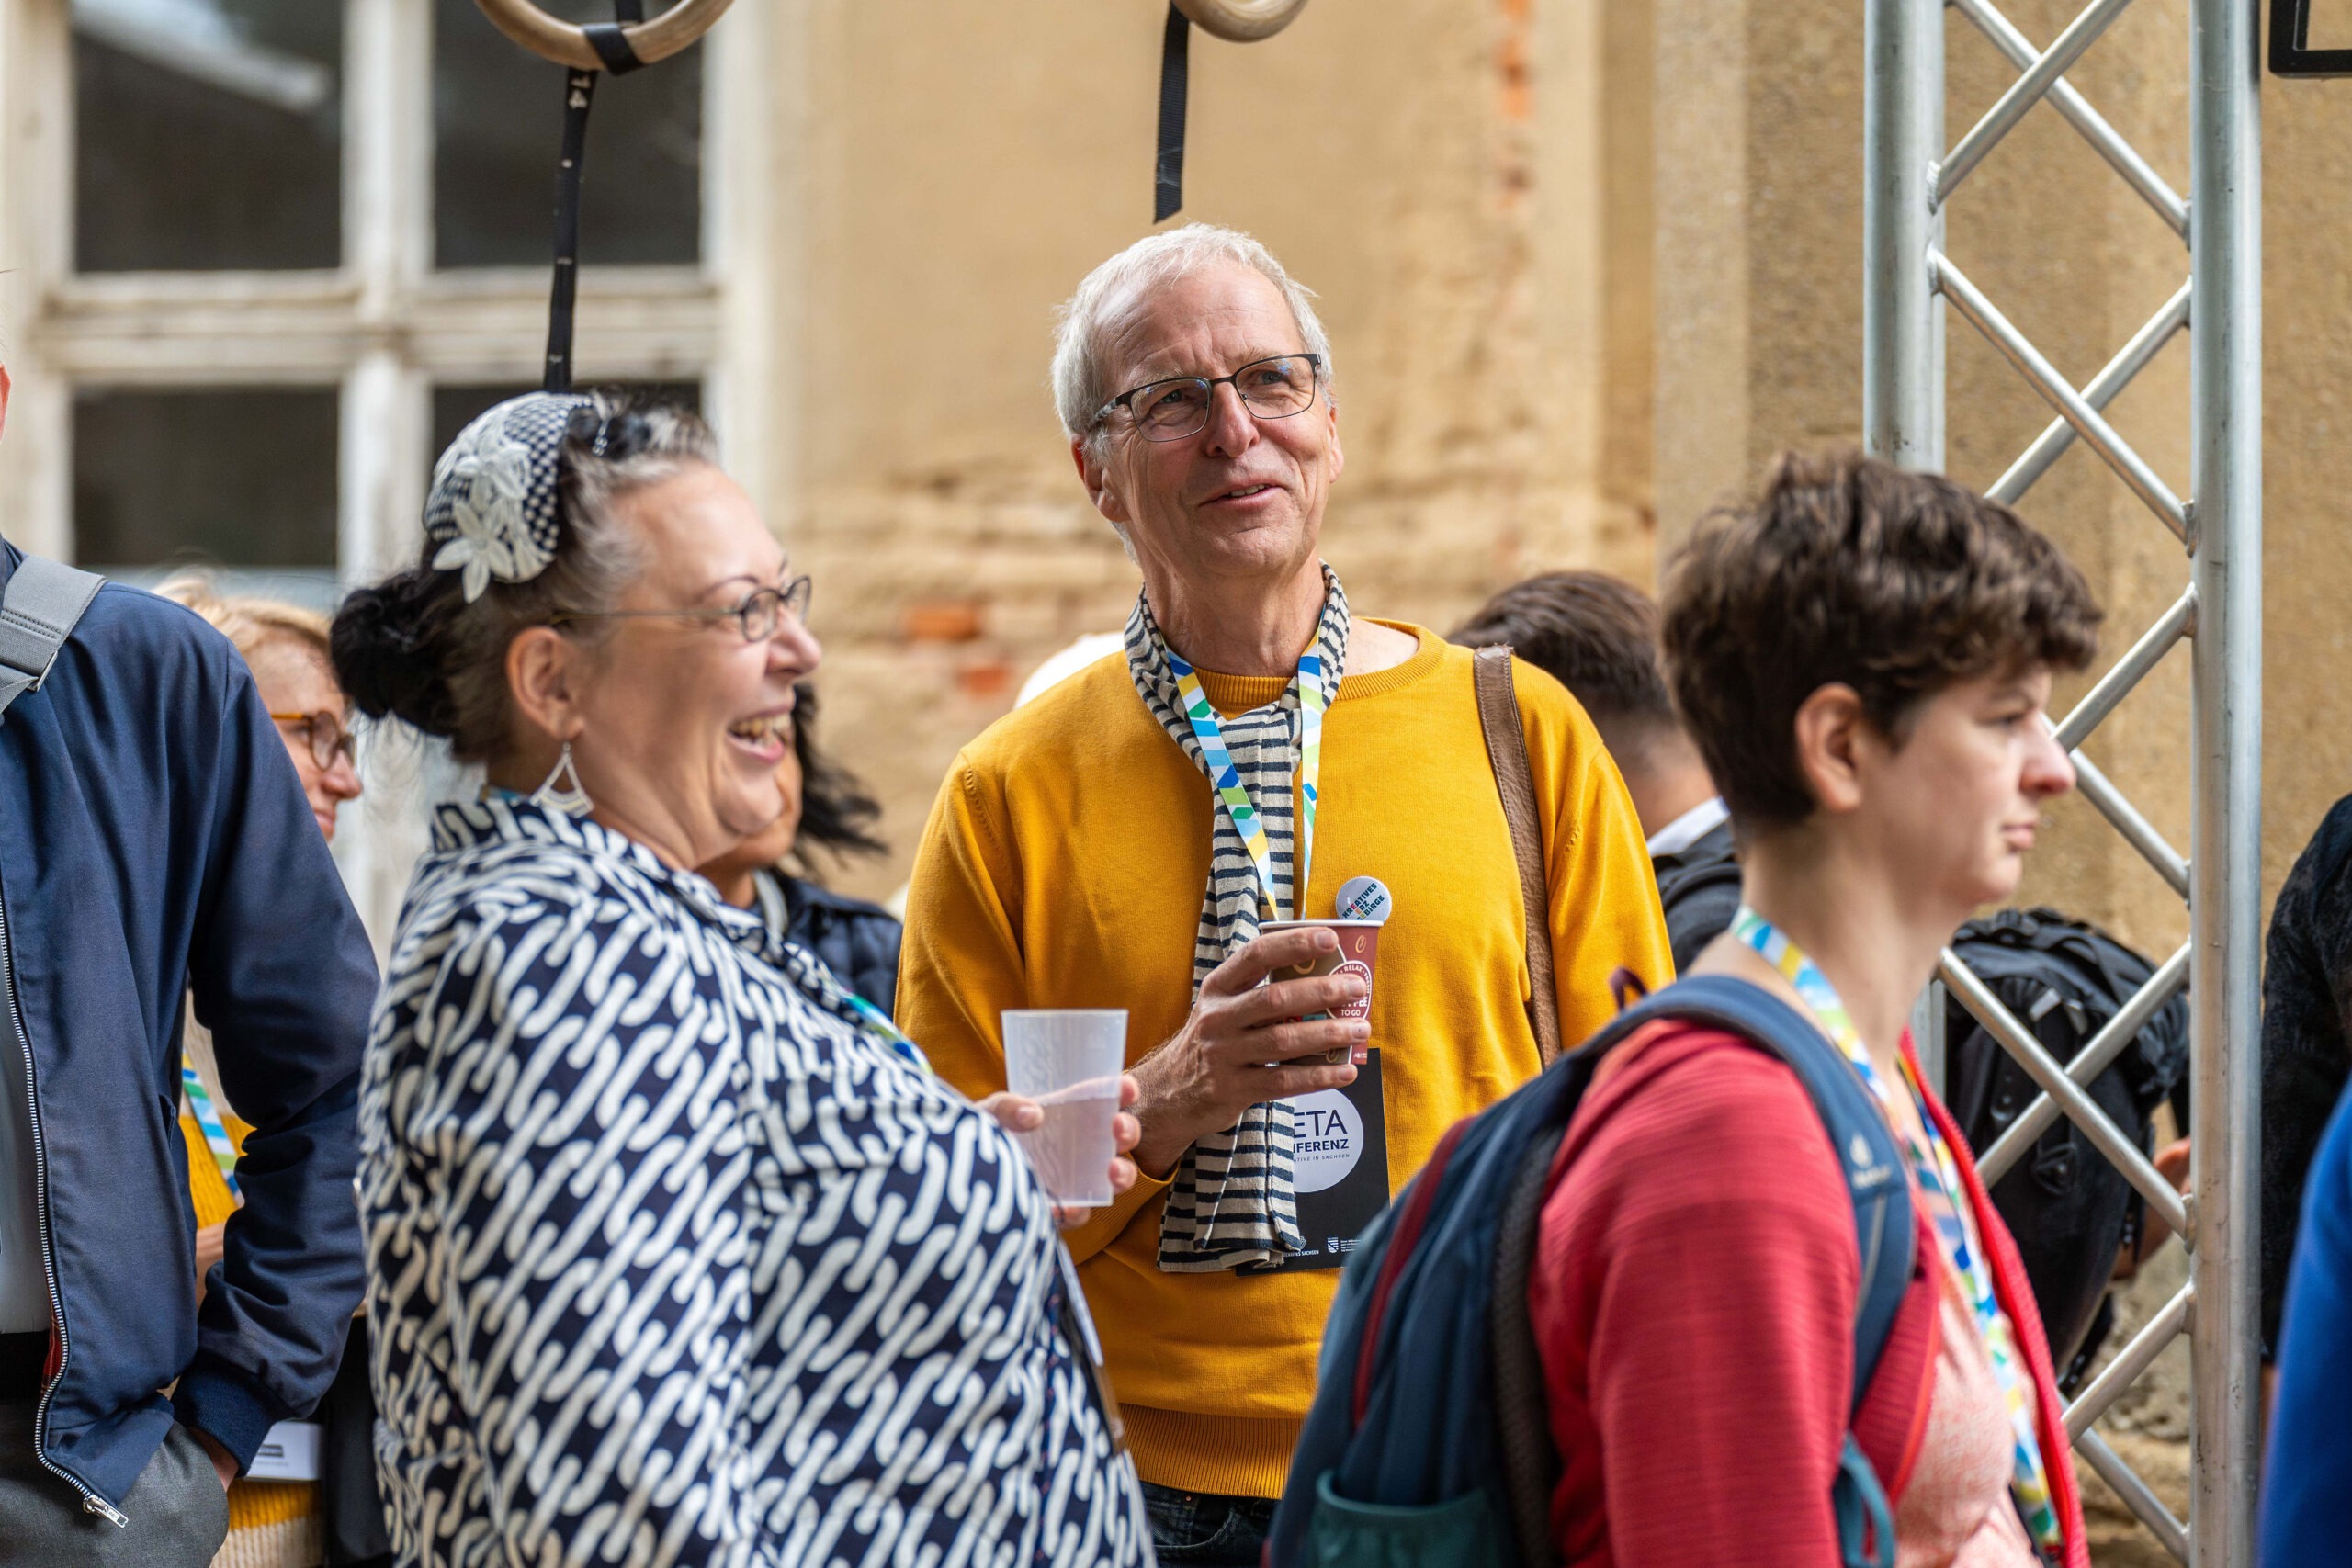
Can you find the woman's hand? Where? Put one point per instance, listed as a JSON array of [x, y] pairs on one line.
[[1017, 1113]]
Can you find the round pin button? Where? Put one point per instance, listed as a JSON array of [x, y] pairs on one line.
[[1364, 899]]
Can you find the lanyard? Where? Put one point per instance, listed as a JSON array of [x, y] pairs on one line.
[[1940, 1183], [208, 1121], [1202, 714], [878, 1022]]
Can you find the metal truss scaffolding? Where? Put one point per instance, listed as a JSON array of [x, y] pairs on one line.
[[1910, 284]]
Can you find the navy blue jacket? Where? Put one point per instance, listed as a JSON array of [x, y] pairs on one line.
[[154, 841], [2309, 1451], [858, 940]]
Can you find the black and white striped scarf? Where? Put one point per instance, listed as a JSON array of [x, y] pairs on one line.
[[1230, 1203]]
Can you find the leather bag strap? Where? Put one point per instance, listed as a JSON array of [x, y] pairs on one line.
[[1507, 752]]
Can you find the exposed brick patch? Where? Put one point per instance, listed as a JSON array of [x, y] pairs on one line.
[[984, 680], [941, 620]]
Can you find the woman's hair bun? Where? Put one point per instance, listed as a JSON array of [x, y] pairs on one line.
[[386, 653]]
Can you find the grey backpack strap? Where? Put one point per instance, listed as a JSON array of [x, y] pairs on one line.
[[43, 603]]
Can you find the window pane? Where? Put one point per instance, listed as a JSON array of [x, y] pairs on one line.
[[498, 121], [232, 478], [454, 408], [209, 134]]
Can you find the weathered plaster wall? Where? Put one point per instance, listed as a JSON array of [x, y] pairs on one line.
[[2307, 410]]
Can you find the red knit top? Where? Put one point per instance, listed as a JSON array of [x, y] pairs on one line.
[[1693, 1301]]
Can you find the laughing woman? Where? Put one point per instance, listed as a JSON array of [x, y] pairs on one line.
[[674, 1255]]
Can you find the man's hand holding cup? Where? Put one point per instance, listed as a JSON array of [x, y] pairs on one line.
[[1251, 1038]]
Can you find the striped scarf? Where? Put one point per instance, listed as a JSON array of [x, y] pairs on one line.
[[1230, 1203]]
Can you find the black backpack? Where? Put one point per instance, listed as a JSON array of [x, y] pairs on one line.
[[2070, 1210], [1697, 887]]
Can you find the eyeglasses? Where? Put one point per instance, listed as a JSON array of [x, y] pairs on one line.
[[325, 735], [1178, 407], [762, 615]]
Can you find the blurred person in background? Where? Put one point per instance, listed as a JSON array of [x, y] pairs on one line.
[[272, 1524], [2306, 1040], [1090, 849], [1596, 635], [155, 842], [677, 1251], [284, 645], [1088, 648], [825, 808]]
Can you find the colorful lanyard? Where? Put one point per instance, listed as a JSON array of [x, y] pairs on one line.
[[1940, 1183], [208, 1121], [1226, 778], [876, 1019]]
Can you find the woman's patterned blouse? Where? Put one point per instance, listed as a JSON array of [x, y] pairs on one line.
[[671, 1263]]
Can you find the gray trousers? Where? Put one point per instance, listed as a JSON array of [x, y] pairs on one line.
[[179, 1513]]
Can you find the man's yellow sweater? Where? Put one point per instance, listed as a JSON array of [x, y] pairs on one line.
[[1064, 866], [272, 1524]]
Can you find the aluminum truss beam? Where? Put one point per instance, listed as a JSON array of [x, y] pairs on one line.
[[2225, 770], [1909, 279], [2121, 156]]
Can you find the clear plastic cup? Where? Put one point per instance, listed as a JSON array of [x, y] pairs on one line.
[[1068, 1060]]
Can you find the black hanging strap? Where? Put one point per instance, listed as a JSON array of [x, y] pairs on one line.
[[579, 92], [612, 47], [1168, 181], [611, 43]]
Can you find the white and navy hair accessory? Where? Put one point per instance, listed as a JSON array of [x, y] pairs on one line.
[[493, 508]]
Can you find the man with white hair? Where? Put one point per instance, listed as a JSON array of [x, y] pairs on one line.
[[1257, 752]]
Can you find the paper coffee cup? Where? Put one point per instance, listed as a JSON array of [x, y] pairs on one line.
[[1358, 954]]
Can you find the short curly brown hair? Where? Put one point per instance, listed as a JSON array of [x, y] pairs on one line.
[[1847, 568]]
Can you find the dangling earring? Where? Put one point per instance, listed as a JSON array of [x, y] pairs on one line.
[[558, 794]]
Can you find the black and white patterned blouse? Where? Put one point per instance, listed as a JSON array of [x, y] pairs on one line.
[[671, 1263]]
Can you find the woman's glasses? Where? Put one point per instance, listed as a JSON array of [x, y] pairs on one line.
[[325, 734], [762, 613]]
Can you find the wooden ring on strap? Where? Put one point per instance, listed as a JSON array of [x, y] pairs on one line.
[[1238, 21], [659, 38]]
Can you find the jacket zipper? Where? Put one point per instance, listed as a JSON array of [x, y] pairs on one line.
[[91, 1502]]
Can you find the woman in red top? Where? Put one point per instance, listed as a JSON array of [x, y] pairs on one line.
[[1863, 655]]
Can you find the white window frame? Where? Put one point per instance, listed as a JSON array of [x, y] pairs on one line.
[[385, 328]]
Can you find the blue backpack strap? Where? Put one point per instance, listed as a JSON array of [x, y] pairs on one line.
[[1881, 1199], [1858, 1132]]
